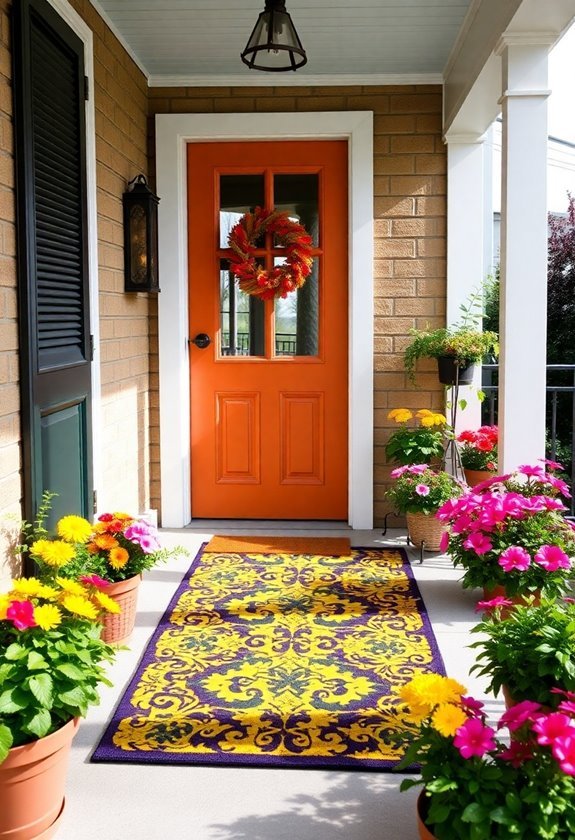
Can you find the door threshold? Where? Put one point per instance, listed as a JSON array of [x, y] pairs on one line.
[[266, 526]]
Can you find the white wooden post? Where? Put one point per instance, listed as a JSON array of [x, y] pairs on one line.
[[523, 311]]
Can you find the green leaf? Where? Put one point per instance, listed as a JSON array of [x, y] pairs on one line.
[[14, 652], [71, 671], [474, 813], [40, 724], [462, 404], [12, 701], [36, 661], [6, 741], [75, 697], [42, 688]]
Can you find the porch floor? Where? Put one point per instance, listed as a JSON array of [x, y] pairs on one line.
[[153, 802]]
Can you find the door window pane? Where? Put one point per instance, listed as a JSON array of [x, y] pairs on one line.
[[297, 318], [239, 194], [298, 194], [241, 318]]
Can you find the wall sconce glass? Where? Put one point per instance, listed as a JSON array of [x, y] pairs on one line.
[[140, 237], [274, 44]]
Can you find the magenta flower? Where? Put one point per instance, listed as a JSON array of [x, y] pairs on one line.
[[444, 541], [550, 727], [563, 750], [21, 614], [559, 485], [422, 490], [478, 543], [417, 469], [519, 714], [551, 558], [517, 753], [532, 470], [473, 706], [94, 580], [493, 603], [567, 706], [473, 738], [514, 557], [144, 535], [398, 472], [462, 524], [552, 465]]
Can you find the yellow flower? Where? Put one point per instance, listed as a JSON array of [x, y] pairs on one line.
[[106, 602], [74, 529], [27, 586], [123, 517], [118, 558], [58, 553], [447, 719], [426, 691], [423, 412], [400, 415], [38, 548], [4, 602], [70, 587], [433, 419], [47, 616], [80, 606], [48, 592]]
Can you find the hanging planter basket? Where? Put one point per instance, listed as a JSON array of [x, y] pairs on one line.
[[453, 373]]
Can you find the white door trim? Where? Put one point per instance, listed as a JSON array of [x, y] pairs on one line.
[[173, 133]]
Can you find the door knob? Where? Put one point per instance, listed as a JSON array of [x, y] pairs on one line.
[[201, 340]]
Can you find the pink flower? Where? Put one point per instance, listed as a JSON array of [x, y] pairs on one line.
[[478, 543], [531, 471], [417, 469], [472, 705], [551, 558], [567, 706], [144, 535], [21, 614], [462, 524], [493, 604], [422, 490], [94, 580], [559, 485], [489, 482], [550, 727], [444, 541], [398, 472], [517, 753], [563, 750], [514, 557], [473, 738], [519, 714], [552, 465]]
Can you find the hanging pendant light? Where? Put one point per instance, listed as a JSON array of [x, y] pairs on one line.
[[274, 44]]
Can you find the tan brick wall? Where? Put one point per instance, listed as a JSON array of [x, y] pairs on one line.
[[120, 97], [410, 223]]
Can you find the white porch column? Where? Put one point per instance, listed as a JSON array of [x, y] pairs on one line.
[[523, 311], [466, 267]]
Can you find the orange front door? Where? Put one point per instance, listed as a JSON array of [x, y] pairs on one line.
[[269, 402]]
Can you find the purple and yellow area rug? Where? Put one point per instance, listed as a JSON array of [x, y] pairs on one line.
[[278, 659]]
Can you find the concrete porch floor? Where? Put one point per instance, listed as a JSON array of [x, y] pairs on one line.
[[153, 802]]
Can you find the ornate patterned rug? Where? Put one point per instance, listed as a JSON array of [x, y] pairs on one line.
[[278, 659]]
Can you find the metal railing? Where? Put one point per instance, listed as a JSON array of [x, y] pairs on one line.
[[285, 344], [560, 413]]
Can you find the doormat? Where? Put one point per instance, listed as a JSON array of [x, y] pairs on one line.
[[290, 660], [333, 546]]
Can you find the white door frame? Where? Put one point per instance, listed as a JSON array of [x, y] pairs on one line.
[[173, 133]]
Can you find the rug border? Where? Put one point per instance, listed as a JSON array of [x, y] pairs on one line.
[[107, 753]]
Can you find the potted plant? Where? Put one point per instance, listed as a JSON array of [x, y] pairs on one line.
[[417, 444], [457, 348], [476, 785], [418, 492], [531, 652], [509, 535], [478, 451], [51, 656], [111, 554]]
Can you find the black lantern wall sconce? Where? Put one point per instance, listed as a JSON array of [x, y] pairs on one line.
[[140, 237], [274, 43]]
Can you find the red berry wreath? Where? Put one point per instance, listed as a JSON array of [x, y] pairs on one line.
[[290, 235]]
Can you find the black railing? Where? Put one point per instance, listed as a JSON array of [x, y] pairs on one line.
[[285, 344], [560, 414]]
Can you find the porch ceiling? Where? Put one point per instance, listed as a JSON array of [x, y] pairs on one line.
[[367, 39]]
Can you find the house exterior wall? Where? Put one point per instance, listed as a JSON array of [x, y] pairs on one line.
[[409, 230], [127, 323]]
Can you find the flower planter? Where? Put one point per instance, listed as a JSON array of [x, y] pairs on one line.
[[32, 780], [474, 477], [450, 373], [424, 832], [118, 627], [424, 529]]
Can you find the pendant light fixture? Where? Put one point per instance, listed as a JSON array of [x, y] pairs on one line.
[[274, 44]]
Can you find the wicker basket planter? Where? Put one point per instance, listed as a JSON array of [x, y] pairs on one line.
[[425, 530], [118, 627]]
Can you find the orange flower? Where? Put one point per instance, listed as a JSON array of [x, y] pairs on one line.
[[105, 541], [118, 558]]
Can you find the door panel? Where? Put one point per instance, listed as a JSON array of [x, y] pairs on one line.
[[269, 394]]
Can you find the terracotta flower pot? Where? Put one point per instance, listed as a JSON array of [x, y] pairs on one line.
[[424, 528], [118, 627], [32, 780], [474, 477], [424, 832]]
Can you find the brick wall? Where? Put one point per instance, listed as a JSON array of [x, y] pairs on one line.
[[410, 222]]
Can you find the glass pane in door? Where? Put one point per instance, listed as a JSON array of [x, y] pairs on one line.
[[298, 194], [241, 318], [297, 318], [239, 194]]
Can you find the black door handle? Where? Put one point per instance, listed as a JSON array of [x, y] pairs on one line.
[[201, 340]]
